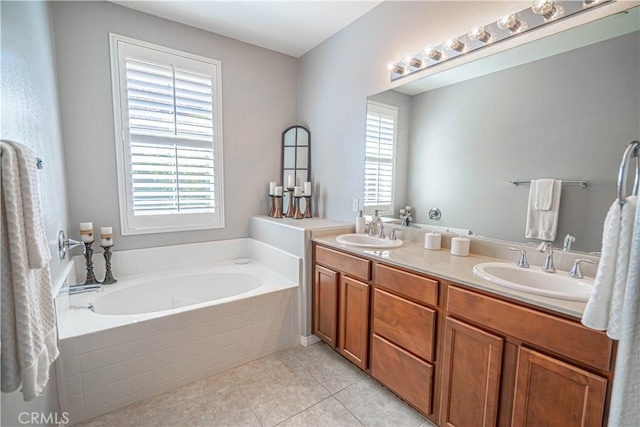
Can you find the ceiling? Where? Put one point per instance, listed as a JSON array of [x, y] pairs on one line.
[[291, 27]]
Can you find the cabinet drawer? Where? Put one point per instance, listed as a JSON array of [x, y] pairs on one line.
[[404, 323], [561, 336], [413, 286], [402, 372], [348, 264]]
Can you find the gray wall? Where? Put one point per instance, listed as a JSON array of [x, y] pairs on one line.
[[29, 114], [259, 94], [337, 76], [569, 117]]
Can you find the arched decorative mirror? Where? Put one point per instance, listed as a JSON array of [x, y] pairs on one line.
[[296, 158]]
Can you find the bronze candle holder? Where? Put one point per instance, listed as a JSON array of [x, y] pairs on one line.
[[290, 210], [88, 256], [277, 213], [272, 210], [298, 213], [108, 277], [307, 208]]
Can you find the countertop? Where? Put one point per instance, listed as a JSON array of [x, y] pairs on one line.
[[442, 264]]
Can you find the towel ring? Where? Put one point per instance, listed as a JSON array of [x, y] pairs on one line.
[[632, 151]]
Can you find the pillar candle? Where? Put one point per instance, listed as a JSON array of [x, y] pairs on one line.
[[297, 191], [460, 246], [290, 181], [307, 188], [86, 232], [432, 241], [106, 236], [278, 190], [272, 188]]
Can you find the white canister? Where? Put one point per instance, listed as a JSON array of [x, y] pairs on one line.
[[433, 241], [460, 246]]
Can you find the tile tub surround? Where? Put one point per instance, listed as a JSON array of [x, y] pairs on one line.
[[442, 264], [103, 371], [300, 386]]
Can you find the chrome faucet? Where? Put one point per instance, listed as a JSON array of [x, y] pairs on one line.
[[376, 220], [82, 288], [522, 261], [394, 233], [568, 240], [406, 219], [575, 270], [547, 248]]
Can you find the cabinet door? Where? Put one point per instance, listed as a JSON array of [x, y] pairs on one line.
[[550, 392], [472, 362], [325, 305], [353, 334]]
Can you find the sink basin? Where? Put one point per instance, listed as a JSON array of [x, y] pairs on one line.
[[366, 241], [535, 281]]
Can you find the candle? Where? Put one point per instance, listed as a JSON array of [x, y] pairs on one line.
[[297, 191], [106, 236], [307, 188], [460, 246], [290, 181], [278, 191], [86, 232], [432, 241], [272, 188]]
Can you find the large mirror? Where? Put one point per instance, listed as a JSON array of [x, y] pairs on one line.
[[562, 107]]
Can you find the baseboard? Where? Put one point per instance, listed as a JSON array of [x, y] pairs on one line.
[[307, 341]]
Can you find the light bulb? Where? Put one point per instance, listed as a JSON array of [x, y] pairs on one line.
[[432, 53], [547, 9], [590, 3], [395, 68], [412, 61], [511, 23], [454, 44], [480, 34]]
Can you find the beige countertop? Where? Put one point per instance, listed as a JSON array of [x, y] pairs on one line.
[[442, 264]]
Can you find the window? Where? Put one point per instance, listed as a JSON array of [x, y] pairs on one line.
[[380, 157], [168, 138]]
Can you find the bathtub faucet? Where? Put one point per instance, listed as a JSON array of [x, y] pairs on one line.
[[82, 288]]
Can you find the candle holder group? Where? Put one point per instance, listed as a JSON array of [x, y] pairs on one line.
[[294, 208], [106, 243]]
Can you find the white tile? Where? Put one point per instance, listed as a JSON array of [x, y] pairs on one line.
[[71, 366], [143, 261], [285, 295], [224, 325], [95, 398], [73, 385], [142, 382], [272, 312], [141, 365], [226, 340], [76, 404], [273, 298], [245, 334], [119, 353], [169, 372], [118, 371], [244, 305], [120, 389], [259, 329], [92, 411], [128, 263], [92, 360], [285, 309], [258, 302], [244, 319], [94, 379], [69, 347], [227, 310], [259, 315]]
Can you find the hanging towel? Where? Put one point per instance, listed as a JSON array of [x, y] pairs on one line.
[[596, 313], [625, 392], [543, 224], [616, 306], [543, 195], [28, 326]]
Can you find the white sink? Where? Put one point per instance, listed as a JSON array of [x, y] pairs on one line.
[[535, 281], [366, 241]]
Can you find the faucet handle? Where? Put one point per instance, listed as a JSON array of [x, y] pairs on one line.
[[522, 261], [575, 270], [393, 233]]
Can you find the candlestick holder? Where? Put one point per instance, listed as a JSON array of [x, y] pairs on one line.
[[289, 213], [88, 256], [277, 213], [108, 277], [273, 205], [298, 213], [307, 208]]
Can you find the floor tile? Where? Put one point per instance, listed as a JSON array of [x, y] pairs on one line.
[[189, 413], [329, 412], [374, 406], [228, 407], [333, 371]]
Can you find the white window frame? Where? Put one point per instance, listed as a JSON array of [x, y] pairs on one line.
[[389, 110], [148, 224]]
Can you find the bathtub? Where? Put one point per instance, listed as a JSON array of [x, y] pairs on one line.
[[150, 333]]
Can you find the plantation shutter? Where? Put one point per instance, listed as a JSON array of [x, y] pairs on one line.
[[379, 161], [171, 133]]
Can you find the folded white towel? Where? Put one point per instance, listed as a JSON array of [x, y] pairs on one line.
[[543, 224], [543, 196], [27, 324], [596, 313]]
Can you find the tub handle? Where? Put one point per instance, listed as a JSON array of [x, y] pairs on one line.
[[91, 307]]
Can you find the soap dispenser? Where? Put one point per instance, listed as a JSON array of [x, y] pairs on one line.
[[360, 223]]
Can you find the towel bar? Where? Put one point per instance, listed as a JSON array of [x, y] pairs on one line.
[[581, 183], [632, 151]]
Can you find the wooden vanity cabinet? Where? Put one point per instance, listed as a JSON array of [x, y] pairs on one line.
[[341, 303]]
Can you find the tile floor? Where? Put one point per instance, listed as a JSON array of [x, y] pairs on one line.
[[300, 386]]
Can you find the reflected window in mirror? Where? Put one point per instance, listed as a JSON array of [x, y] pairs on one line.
[[380, 152]]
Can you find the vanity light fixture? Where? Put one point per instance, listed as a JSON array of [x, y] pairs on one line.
[[547, 9], [513, 23], [454, 44], [479, 33]]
